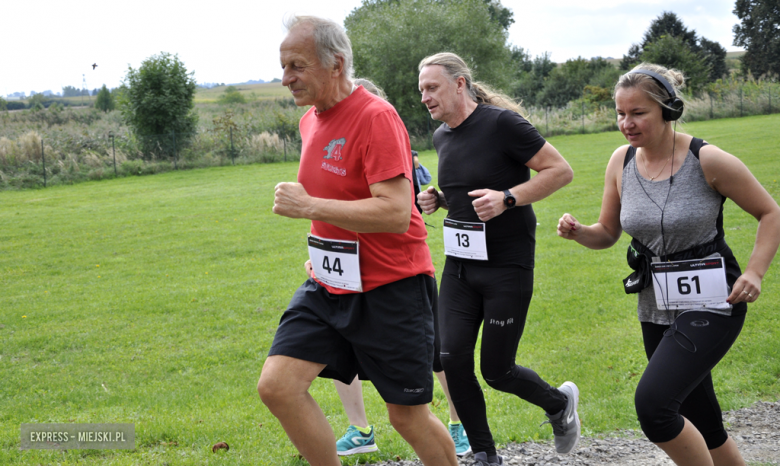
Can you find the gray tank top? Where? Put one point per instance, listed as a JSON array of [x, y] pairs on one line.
[[690, 209]]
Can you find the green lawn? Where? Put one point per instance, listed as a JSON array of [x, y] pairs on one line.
[[154, 300]]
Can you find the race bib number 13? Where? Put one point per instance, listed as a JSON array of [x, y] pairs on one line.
[[465, 239], [690, 284], [336, 263]]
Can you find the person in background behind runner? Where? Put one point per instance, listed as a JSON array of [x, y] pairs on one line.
[[423, 175], [359, 437], [485, 152], [368, 310], [667, 190]]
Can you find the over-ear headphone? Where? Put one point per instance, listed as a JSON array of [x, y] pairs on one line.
[[673, 108]]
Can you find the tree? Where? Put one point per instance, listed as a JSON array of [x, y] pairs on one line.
[[70, 91], [532, 76], [669, 24], [714, 56], [567, 82], [158, 101], [500, 14], [35, 102], [3, 104], [232, 96], [759, 34], [389, 38], [104, 100], [672, 52]]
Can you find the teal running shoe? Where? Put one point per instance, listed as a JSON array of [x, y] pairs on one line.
[[354, 442], [458, 434]]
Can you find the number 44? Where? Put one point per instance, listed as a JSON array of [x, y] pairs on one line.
[[336, 265]]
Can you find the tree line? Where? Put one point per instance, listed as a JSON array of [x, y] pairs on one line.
[[390, 37]]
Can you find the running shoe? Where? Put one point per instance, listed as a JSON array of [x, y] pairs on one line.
[[354, 442], [481, 459], [458, 434], [566, 424]]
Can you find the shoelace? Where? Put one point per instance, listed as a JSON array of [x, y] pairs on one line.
[[557, 425]]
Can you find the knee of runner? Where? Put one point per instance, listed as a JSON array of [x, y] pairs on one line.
[[270, 390], [659, 420], [499, 384], [401, 417], [457, 362], [497, 378]]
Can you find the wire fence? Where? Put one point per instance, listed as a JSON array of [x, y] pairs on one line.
[[582, 116], [32, 160], [89, 151]]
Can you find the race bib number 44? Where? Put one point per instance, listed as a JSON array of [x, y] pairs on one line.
[[690, 284], [465, 239], [336, 263]]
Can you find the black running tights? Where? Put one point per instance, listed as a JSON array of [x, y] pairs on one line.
[[498, 297], [677, 382]]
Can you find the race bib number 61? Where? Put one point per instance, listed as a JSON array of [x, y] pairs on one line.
[[690, 284], [336, 263]]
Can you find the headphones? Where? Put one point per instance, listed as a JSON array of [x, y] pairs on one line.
[[673, 108]]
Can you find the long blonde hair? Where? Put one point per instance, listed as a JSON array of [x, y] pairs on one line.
[[455, 67]]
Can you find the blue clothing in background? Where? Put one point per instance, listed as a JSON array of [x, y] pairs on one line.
[[423, 175]]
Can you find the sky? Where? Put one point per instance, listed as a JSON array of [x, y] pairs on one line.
[[48, 44]]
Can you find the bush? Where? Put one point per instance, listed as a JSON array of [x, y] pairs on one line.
[[158, 102], [231, 96], [104, 100]]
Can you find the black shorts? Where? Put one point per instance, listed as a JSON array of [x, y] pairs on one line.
[[384, 335]]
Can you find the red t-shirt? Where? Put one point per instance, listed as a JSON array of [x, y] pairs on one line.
[[358, 142]]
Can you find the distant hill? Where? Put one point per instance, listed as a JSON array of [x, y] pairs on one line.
[[251, 81], [252, 92]]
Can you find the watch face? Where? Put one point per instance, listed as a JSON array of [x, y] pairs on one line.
[[509, 199]]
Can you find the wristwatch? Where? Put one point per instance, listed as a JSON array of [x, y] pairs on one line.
[[509, 199]]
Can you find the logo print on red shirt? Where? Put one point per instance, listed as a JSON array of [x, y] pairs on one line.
[[334, 149]]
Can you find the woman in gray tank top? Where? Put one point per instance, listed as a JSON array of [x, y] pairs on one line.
[[666, 190]]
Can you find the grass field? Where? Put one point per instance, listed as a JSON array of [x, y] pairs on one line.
[[251, 92], [153, 301]]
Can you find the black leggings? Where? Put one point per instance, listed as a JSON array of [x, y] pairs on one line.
[[677, 382], [499, 297]]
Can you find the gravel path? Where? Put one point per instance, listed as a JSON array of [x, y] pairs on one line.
[[755, 429]]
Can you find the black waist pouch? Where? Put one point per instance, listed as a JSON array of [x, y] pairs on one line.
[[640, 263]]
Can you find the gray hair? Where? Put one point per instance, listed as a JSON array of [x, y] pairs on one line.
[[370, 87], [455, 67], [330, 39]]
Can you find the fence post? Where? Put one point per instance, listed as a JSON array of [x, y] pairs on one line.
[[583, 116], [769, 91], [547, 119], [43, 160], [232, 153], [113, 150], [285, 149], [175, 165], [711, 117], [740, 101]]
